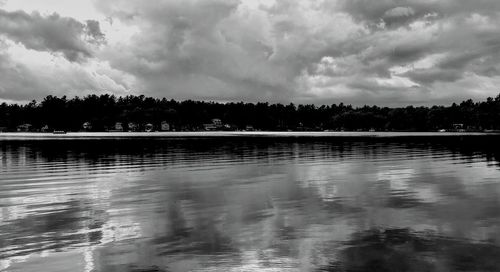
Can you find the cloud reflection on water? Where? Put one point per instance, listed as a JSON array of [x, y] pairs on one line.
[[249, 205]]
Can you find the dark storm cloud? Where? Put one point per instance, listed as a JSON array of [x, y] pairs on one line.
[[51, 33], [429, 76], [93, 32]]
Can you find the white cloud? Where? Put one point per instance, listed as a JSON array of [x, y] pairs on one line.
[[399, 12], [31, 74]]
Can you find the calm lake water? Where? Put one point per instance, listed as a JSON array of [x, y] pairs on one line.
[[251, 204]]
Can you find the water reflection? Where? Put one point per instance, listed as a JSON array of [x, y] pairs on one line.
[[407, 250], [250, 205]]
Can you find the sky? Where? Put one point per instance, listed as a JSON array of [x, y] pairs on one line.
[[384, 52]]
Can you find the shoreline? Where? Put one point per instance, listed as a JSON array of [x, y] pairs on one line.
[[214, 134]]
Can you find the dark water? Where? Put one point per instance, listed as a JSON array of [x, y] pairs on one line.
[[251, 204]]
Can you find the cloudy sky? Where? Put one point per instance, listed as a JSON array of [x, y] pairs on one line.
[[386, 52]]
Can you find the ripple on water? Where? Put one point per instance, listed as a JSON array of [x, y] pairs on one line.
[[250, 205]]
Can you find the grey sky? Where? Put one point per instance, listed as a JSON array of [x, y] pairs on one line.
[[385, 52]]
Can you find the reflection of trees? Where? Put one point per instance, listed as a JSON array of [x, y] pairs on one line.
[[110, 152], [406, 250]]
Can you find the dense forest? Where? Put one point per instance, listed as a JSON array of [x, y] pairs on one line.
[[107, 112]]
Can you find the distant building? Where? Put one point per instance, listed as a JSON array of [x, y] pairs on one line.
[[458, 127], [215, 125], [209, 127], [249, 128], [87, 126], [118, 126], [45, 128], [217, 122], [148, 127], [24, 128], [133, 126], [165, 126]]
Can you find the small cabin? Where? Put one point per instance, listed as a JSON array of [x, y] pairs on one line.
[[458, 126], [119, 126], [24, 128], [209, 127], [87, 126], [217, 122], [133, 126], [165, 126]]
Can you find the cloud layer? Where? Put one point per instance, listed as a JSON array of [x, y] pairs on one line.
[[385, 52], [51, 33]]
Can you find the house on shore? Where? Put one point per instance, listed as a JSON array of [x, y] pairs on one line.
[[215, 125], [133, 126], [209, 127], [149, 127], [118, 126], [458, 127], [164, 126], [217, 122], [87, 126], [24, 128]]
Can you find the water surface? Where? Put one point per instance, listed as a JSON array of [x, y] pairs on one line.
[[251, 204]]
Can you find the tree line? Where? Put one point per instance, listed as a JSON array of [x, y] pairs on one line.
[[104, 111]]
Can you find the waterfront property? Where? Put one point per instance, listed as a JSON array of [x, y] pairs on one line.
[[24, 128], [133, 126], [210, 127], [87, 126], [118, 126], [164, 126], [217, 122]]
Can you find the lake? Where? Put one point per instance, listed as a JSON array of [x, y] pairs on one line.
[[326, 203]]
